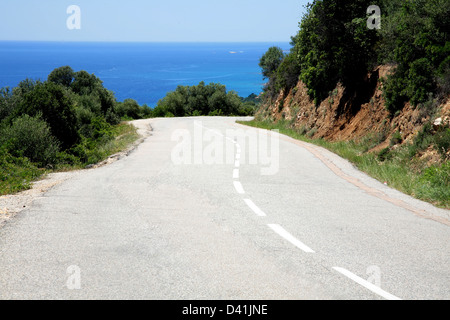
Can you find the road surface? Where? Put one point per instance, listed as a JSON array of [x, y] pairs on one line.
[[172, 221]]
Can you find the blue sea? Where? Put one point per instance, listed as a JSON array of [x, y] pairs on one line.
[[141, 71]]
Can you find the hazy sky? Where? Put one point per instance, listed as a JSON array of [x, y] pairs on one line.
[[151, 20]]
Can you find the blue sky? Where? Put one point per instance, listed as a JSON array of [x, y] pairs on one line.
[[150, 20]]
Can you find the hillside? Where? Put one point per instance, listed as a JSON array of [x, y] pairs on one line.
[[372, 87], [354, 114]]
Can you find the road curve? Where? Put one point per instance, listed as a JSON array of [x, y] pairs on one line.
[[275, 219]]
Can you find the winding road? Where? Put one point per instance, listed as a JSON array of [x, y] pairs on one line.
[[205, 208]]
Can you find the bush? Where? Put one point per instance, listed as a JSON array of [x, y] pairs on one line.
[[442, 141], [423, 140], [420, 81], [84, 83], [55, 105], [63, 76], [145, 112], [396, 139], [15, 173], [112, 118], [128, 109], [394, 93], [384, 155], [31, 137], [211, 99], [101, 129]]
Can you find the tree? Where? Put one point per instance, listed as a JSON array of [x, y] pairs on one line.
[[63, 76], [54, 103], [218, 101], [211, 99], [6, 106], [415, 39], [85, 83], [288, 72], [129, 108], [334, 45], [270, 61]]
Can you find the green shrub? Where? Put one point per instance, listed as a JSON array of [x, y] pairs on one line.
[[384, 155], [63, 76], [85, 117], [422, 141], [31, 137], [67, 159], [57, 108], [396, 138], [196, 113], [442, 141], [217, 112], [129, 109], [16, 174], [202, 99], [89, 102], [112, 118], [394, 93], [420, 81], [312, 132]]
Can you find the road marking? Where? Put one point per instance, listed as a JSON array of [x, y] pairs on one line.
[[236, 174], [229, 139], [289, 237], [255, 208], [366, 284], [238, 187], [237, 163], [238, 156]]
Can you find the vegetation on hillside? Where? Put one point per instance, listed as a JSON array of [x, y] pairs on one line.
[[204, 100], [69, 120], [335, 45]]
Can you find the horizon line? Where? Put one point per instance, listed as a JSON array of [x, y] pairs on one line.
[[124, 41]]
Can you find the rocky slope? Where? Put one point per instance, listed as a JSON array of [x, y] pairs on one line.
[[353, 113]]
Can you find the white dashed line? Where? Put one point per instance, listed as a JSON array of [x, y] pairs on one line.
[[289, 237], [366, 284], [238, 187], [254, 207]]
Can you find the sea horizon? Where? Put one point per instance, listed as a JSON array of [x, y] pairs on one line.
[[143, 71]]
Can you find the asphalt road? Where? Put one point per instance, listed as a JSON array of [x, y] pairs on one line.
[[180, 220]]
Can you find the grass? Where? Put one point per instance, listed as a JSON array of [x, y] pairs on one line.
[[407, 174], [17, 174], [122, 136]]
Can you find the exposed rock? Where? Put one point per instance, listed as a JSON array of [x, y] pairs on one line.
[[350, 114]]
